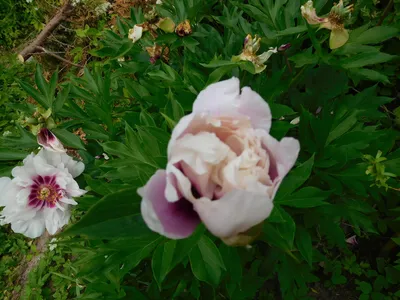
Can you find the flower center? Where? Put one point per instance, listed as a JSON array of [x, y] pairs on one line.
[[45, 192]]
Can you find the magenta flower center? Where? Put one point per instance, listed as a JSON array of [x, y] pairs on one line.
[[45, 192]]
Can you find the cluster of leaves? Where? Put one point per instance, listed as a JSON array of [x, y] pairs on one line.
[[124, 108], [23, 19], [13, 249]]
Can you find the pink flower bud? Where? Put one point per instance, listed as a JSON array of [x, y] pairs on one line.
[[49, 141]]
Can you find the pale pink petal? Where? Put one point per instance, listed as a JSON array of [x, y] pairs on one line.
[[255, 107], [221, 98], [236, 212], [224, 98], [283, 154], [192, 157], [174, 220], [177, 185], [352, 240], [179, 129]]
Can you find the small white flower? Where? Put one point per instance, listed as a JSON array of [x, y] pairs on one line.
[[158, 2], [40, 194], [135, 33], [7, 133], [106, 157], [295, 121]]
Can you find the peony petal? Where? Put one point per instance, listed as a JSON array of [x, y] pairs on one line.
[[4, 186], [221, 98], [75, 168], [338, 38], [179, 129], [255, 107], [236, 212], [283, 154], [31, 229], [22, 197], [68, 201], [135, 33], [52, 221], [174, 220]]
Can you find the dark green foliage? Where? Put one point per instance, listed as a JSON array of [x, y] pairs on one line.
[[339, 188]]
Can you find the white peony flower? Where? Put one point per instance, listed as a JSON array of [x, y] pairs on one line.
[[135, 33], [40, 194]]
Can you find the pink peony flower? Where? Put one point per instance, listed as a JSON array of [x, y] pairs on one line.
[[223, 169], [49, 141]]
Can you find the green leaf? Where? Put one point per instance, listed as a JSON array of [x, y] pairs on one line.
[[365, 287], [218, 73], [173, 109], [68, 138], [304, 58], [396, 240], [304, 244], [61, 98], [232, 262], [369, 74], [376, 35], [53, 83], [365, 59], [206, 261], [41, 99], [117, 149], [306, 197], [135, 89], [277, 214], [173, 252], [12, 154], [42, 85], [280, 110], [292, 30], [146, 119], [162, 260], [115, 215], [282, 234], [295, 179], [344, 126], [25, 140], [90, 82]]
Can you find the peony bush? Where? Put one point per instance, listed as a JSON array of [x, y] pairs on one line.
[[214, 150]]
